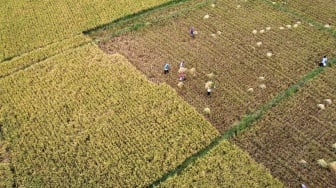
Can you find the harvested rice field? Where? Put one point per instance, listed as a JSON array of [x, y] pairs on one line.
[[322, 11], [252, 50], [293, 136], [248, 52]]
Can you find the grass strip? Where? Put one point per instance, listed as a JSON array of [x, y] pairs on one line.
[[138, 25], [245, 123], [289, 11], [133, 15]]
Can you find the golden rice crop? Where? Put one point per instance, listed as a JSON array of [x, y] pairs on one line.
[[80, 126], [224, 166], [48, 22]]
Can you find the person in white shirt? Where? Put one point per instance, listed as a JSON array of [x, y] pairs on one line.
[[209, 91], [324, 61], [182, 64]]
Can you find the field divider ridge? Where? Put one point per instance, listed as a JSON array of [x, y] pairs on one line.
[[244, 124], [133, 15], [292, 12], [45, 55]]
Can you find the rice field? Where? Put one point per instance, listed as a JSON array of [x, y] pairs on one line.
[[296, 134], [74, 115], [83, 118], [225, 166], [324, 13], [252, 52], [236, 45], [27, 25]]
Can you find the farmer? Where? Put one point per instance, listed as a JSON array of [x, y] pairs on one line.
[[192, 32], [166, 68], [182, 64], [324, 61], [181, 76], [209, 91]]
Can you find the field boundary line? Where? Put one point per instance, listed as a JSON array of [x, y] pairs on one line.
[[132, 15], [138, 25], [244, 124], [305, 18], [38, 48], [44, 59]]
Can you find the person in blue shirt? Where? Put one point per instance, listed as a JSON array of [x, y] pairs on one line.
[[166, 68]]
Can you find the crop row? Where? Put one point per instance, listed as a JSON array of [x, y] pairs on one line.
[[82, 118], [227, 46], [28, 59], [324, 13], [293, 136], [29, 25], [224, 166]]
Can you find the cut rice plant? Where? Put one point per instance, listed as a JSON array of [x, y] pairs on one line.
[[262, 86], [321, 106], [207, 111], [192, 71], [209, 84], [303, 162], [180, 84], [328, 101], [322, 163], [210, 75], [334, 146], [332, 166]]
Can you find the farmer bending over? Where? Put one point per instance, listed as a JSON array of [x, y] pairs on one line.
[[166, 68], [324, 61]]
